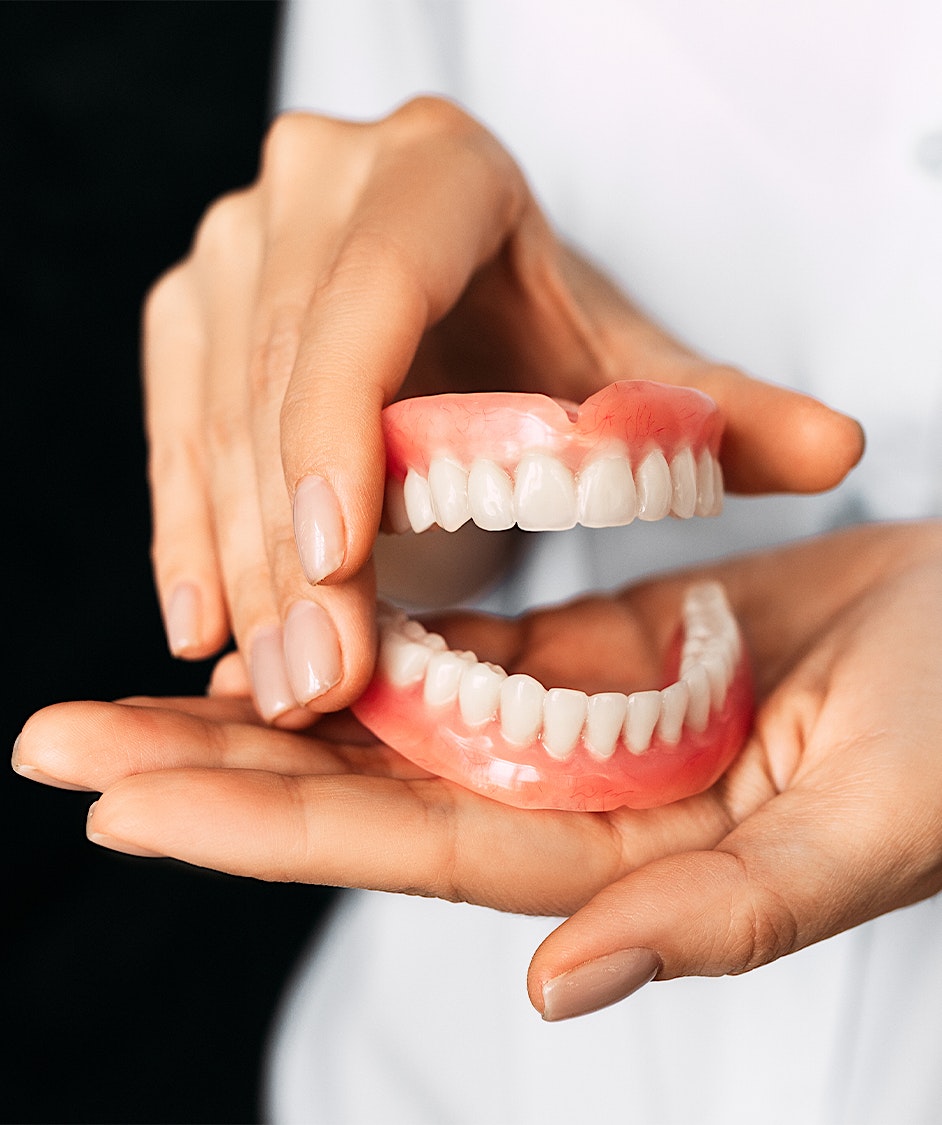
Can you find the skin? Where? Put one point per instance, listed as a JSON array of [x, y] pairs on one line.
[[831, 816], [367, 262]]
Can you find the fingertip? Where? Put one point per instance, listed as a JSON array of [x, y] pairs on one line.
[[194, 623]]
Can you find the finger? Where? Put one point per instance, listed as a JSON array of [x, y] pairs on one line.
[[138, 736], [778, 440], [186, 567], [443, 198], [854, 833]]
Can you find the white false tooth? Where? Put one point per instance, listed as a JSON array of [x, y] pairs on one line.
[[684, 484], [698, 704], [604, 721], [435, 642], [642, 713], [490, 496], [544, 494], [443, 676], [521, 708], [704, 484], [605, 493], [394, 507], [403, 661], [674, 700], [416, 631], [564, 712], [418, 501], [448, 484], [717, 488], [718, 675], [653, 482], [479, 693]]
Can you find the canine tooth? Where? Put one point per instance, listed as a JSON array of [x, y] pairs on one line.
[[479, 693], [394, 505], [605, 718], [606, 493], [544, 494], [683, 484], [521, 708], [674, 700], [717, 488], [643, 710], [698, 705], [418, 501], [705, 498], [564, 712], [403, 661], [443, 676], [653, 482], [490, 496], [448, 484]]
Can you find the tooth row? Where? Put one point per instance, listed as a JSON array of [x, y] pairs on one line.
[[544, 495], [561, 717]]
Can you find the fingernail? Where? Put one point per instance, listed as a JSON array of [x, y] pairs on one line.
[[312, 651], [273, 694], [182, 618], [113, 844], [318, 528], [598, 983]]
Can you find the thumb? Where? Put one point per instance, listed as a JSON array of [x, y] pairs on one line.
[[786, 878]]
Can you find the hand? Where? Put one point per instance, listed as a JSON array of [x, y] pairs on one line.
[[367, 260], [831, 815]]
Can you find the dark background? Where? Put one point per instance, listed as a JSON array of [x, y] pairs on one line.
[[132, 990]]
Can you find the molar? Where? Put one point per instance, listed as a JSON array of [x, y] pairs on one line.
[[418, 501], [564, 714], [544, 494], [479, 693], [490, 496], [642, 713], [605, 719], [403, 661], [606, 493], [653, 482], [521, 708], [448, 485], [683, 484], [698, 689], [443, 676]]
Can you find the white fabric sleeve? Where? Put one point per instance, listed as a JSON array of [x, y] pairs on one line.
[[359, 59]]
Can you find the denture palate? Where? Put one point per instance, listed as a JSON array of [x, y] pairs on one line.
[[557, 720], [634, 450]]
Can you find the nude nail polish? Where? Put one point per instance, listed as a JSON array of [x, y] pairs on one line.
[[318, 528], [182, 618], [598, 983], [270, 684], [312, 651]]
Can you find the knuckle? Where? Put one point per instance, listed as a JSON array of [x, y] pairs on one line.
[[432, 115], [228, 225], [762, 925], [290, 139], [274, 351], [163, 299]]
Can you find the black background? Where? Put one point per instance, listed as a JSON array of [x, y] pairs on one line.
[[133, 990]]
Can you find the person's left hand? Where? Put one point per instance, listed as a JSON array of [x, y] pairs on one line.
[[831, 815]]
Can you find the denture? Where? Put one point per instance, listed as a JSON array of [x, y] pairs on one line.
[[512, 738], [633, 450]]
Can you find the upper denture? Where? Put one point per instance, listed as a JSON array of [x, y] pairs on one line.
[[634, 450]]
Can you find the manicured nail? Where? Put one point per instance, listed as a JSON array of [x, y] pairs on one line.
[[182, 618], [115, 845], [598, 983], [318, 528], [273, 694], [312, 651]]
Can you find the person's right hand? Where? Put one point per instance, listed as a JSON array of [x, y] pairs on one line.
[[405, 255]]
